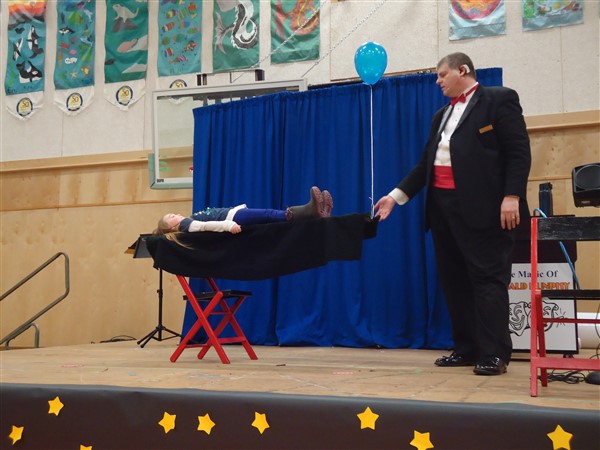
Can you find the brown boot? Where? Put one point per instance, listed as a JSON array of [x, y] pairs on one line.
[[312, 209]]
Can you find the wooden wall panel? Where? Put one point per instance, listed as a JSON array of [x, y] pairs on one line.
[[82, 181], [560, 142], [29, 190], [555, 154], [91, 208], [111, 293]]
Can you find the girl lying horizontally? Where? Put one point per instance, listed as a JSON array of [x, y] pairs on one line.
[[231, 219]]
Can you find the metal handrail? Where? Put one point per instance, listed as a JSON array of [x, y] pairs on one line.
[[29, 323]]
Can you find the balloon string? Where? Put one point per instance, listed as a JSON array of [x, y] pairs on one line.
[[372, 171]]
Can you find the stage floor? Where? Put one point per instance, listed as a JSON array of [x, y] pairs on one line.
[[120, 396], [342, 372]]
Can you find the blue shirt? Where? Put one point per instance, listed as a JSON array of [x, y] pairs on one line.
[[207, 215]]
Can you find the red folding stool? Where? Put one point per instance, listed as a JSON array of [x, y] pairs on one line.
[[557, 229], [218, 302]]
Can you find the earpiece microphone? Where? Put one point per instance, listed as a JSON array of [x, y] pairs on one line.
[[466, 67]]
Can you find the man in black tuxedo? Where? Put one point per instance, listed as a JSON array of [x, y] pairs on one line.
[[475, 167]]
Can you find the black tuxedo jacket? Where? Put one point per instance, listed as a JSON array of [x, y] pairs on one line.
[[490, 156]]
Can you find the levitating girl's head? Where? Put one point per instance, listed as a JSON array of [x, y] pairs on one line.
[[169, 223]]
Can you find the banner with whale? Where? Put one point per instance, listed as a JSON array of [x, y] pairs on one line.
[[24, 80]]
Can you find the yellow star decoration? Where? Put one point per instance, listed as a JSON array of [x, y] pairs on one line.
[[55, 406], [85, 447], [205, 423], [367, 419], [560, 438], [421, 441], [168, 422], [260, 422], [16, 434]]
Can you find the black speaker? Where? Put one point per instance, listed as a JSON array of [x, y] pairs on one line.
[[586, 185]]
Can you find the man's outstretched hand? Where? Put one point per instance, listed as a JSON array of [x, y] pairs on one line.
[[384, 206]]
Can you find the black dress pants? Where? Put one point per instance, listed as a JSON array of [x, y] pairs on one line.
[[474, 269]]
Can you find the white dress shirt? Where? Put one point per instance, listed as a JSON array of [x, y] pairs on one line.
[[442, 155]]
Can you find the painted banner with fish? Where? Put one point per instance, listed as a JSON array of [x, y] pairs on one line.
[[75, 43], [75, 50], [473, 19], [179, 37], [126, 44], [295, 28], [24, 79], [540, 14], [235, 43]]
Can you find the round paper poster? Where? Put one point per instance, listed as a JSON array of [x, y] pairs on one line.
[[474, 9]]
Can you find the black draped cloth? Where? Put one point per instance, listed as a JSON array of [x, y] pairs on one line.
[[263, 251]]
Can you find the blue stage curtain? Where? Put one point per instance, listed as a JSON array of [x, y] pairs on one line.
[[268, 151]]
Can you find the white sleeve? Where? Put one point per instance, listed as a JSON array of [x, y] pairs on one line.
[[218, 226], [399, 196]]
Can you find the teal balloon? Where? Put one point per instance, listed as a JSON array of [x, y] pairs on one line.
[[370, 61]]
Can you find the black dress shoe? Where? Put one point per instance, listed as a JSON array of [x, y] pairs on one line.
[[490, 366], [454, 360]]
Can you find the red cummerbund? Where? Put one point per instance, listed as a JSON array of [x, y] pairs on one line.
[[443, 177]]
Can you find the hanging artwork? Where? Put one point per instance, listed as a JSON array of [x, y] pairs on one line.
[[179, 37], [539, 14], [24, 80], [75, 50], [473, 19], [235, 43], [126, 44], [294, 30]]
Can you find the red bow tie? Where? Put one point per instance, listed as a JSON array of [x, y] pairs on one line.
[[462, 98]]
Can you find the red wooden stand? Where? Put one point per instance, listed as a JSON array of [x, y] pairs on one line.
[[216, 302], [557, 229]]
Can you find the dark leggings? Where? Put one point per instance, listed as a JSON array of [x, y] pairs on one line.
[[251, 216]]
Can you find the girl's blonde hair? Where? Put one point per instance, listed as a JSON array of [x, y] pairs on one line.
[[164, 228], [171, 233]]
